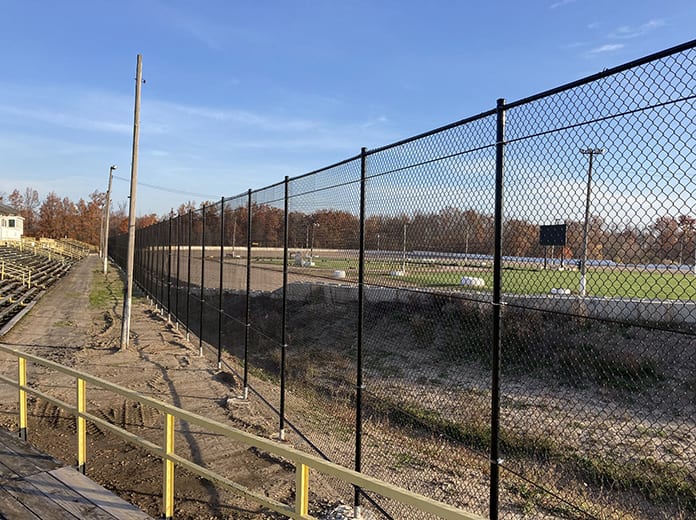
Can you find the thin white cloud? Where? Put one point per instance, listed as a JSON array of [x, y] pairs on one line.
[[561, 3], [609, 47], [381, 120], [243, 118], [574, 45], [627, 32], [66, 120], [210, 34]]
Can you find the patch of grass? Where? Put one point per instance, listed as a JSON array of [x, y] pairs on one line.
[[584, 363], [64, 323], [537, 344], [407, 460], [102, 294], [656, 480]]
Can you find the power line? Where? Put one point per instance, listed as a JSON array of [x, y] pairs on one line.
[[170, 190]]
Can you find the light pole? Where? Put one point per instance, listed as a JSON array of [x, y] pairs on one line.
[[403, 258], [101, 232], [466, 241], [234, 234], [583, 266], [311, 249], [107, 210]]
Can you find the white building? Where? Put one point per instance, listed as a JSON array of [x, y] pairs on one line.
[[11, 223]]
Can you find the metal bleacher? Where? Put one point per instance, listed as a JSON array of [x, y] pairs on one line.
[[28, 267]]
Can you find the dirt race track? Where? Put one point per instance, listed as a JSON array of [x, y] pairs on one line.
[[66, 327]]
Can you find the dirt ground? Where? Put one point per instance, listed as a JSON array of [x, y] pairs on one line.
[[66, 327]]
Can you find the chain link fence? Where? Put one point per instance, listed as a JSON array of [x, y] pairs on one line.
[[498, 314]]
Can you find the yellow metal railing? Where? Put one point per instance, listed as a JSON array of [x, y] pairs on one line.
[[10, 271], [303, 461]]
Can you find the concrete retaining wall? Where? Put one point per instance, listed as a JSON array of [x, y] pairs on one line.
[[671, 311]]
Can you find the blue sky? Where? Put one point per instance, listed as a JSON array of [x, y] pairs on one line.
[[239, 94]]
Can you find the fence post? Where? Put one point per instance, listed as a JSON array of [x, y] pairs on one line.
[[188, 275], [163, 241], [169, 271], [140, 240], [247, 311], [497, 284], [168, 485], [222, 263], [202, 299], [156, 266], [301, 489], [148, 243], [361, 315], [81, 426], [22, 380], [178, 270], [153, 263], [283, 332]]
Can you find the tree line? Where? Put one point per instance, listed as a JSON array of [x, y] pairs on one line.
[[669, 239], [56, 217]]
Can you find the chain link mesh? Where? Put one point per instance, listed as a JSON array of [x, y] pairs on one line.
[[597, 270]]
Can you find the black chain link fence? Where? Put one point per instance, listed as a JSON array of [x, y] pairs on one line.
[[498, 314]]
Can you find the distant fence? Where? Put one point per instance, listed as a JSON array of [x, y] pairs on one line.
[[490, 381]]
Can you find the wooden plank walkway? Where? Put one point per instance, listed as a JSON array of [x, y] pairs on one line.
[[34, 485]]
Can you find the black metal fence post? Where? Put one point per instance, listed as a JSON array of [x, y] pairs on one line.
[[497, 286], [136, 258], [178, 269], [147, 239], [247, 310], [361, 315], [188, 276], [283, 332], [162, 257], [150, 265], [169, 271], [220, 296], [155, 266], [202, 298]]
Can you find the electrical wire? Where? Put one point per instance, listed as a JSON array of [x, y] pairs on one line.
[[170, 190]]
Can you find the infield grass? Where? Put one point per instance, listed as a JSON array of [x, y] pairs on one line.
[[604, 282]]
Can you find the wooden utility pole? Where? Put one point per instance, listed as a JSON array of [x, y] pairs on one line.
[[107, 210], [125, 328]]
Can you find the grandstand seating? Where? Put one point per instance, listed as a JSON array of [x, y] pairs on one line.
[[28, 267]]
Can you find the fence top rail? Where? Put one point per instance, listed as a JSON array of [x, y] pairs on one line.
[[604, 74], [298, 457]]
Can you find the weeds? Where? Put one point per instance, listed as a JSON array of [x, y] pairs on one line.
[[102, 291], [658, 481]]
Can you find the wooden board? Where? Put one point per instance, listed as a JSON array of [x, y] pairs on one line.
[[65, 497], [98, 495], [13, 509], [21, 458], [34, 485]]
